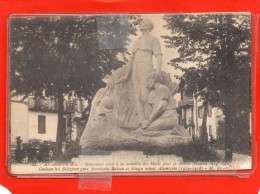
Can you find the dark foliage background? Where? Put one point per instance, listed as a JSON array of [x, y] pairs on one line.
[[219, 47]]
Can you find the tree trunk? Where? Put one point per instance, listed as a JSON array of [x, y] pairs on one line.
[[204, 134], [60, 129], [228, 128], [245, 135], [241, 134], [228, 139]]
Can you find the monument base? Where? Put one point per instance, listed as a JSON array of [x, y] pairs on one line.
[[115, 138]]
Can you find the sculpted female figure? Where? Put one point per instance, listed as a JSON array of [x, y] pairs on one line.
[[113, 121], [140, 66]]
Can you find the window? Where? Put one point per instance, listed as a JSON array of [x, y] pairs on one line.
[[200, 112], [82, 105], [189, 94], [210, 130], [189, 121], [209, 111], [181, 95], [41, 124]]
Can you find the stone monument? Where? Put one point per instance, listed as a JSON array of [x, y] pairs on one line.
[[136, 108]]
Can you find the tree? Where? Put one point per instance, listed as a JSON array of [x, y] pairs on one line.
[[218, 47], [55, 56]]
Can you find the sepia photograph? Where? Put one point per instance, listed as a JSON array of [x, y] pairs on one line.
[[132, 93]]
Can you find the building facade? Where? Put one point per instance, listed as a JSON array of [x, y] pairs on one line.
[[19, 121], [38, 119], [190, 109]]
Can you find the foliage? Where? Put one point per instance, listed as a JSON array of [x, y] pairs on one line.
[[53, 53], [18, 153], [214, 55], [195, 150], [35, 151], [212, 140], [219, 48], [55, 56], [166, 80], [219, 144], [38, 151]]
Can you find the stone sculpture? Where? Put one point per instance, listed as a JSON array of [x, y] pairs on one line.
[[136, 108]]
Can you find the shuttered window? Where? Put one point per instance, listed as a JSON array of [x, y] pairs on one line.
[[210, 130], [41, 124], [200, 112]]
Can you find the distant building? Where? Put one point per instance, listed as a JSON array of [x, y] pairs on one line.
[[38, 119], [190, 111]]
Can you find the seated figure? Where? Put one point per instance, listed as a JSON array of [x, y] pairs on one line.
[[114, 124], [163, 118]]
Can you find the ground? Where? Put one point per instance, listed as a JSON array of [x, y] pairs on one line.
[[131, 161]]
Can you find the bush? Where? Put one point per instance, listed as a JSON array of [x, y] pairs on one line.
[[218, 144], [212, 140], [19, 153], [34, 151], [195, 150]]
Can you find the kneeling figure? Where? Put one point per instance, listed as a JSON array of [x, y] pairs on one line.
[[163, 118]]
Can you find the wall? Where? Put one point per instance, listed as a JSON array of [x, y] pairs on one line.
[[19, 121], [210, 120], [24, 123], [51, 126]]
